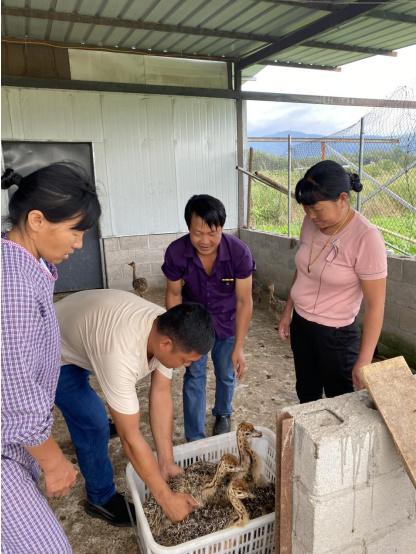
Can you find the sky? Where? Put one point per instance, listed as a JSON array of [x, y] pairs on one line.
[[375, 77]]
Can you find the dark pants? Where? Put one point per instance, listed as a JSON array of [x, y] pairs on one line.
[[324, 357]]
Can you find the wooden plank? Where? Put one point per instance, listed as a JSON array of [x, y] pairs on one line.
[[284, 482], [392, 386]]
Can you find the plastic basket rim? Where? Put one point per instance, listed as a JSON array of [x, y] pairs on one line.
[[202, 541]]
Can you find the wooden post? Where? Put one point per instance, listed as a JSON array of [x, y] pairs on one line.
[[284, 482], [323, 150], [250, 169]]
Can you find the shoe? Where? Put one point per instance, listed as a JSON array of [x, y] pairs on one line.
[[114, 511], [113, 430], [222, 424]]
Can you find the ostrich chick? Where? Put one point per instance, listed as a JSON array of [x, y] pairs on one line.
[[140, 285], [237, 490]]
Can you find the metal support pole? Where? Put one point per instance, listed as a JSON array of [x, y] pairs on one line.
[[240, 147], [289, 185], [360, 161]]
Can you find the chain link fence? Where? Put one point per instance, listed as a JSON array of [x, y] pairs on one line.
[[381, 148]]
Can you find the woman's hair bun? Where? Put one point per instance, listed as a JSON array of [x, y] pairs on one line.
[[355, 182], [10, 178]]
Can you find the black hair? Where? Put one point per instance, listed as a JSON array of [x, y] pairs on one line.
[[189, 326], [325, 180], [209, 209], [61, 191]]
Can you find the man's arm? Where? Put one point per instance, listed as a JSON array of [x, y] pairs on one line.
[[161, 422], [175, 505], [374, 293], [243, 290], [173, 295]]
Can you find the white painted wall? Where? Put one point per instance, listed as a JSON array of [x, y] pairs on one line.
[[151, 153]]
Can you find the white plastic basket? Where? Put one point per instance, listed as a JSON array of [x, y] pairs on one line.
[[255, 537]]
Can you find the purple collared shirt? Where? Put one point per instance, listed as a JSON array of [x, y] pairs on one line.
[[216, 291], [30, 352]]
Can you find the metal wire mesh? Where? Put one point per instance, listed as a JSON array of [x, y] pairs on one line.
[[386, 162]]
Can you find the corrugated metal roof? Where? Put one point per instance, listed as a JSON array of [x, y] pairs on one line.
[[231, 30]]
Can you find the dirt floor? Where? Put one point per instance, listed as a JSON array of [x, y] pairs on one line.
[[267, 387]]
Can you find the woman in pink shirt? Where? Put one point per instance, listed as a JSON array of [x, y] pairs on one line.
[[341, 261]]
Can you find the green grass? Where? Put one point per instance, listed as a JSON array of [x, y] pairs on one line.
[[269, 213]]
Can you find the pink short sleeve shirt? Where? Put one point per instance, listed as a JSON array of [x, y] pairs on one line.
[[331, 293]]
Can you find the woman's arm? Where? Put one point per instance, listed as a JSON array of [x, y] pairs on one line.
[[374, 293], [286, 317], [60, 475]]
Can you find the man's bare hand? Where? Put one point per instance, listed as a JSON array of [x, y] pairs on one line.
[[179, 506]]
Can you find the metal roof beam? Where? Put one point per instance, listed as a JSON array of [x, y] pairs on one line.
[[348, 48], [32, 82], [130, 24], [280, 63], [334, 7], [360, 7], [392, 16]]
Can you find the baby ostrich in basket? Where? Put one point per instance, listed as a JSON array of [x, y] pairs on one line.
[[140, 285]]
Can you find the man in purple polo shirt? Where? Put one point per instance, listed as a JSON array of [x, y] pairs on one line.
[[215, 270]]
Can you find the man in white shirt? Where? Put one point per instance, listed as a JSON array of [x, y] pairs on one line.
[[122, 338]]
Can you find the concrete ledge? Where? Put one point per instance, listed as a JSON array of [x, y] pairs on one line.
[[350, 490]]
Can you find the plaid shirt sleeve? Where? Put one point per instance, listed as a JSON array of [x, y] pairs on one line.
[[26, 403]]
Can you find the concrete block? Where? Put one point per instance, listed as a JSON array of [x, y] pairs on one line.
[[405, 294], [111, 244], [385, 457], [156, 281], [323, 526], [161, 241], [119, 284], [297, 546], [156, 269], [398, 539], [134, 242], [395, 268], [409, 271], [139, 256], [407, 320], [387, 500], [391, 313]]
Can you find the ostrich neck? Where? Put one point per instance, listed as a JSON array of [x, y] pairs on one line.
[[239, 507], [134, 272], [216, 479], [245, 452]]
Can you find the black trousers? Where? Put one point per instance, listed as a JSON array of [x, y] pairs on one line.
[[324, 357]]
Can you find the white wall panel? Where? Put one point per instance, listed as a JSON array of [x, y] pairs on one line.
[[86, 115], [46, 115], [101, 183], [151, 153], [118, 67], [128, 169], [205, 146], [16, 118], [6, 122]]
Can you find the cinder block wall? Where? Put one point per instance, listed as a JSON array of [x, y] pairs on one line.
[[275, 255], [351, 493], [147, 251]]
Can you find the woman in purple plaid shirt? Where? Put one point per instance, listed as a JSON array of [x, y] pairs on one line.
[[49, 213]]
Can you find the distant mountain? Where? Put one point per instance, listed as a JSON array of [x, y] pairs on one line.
[[279, 148], [406, 143]]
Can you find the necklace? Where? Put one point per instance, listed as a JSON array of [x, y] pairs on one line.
[[337, 229]]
